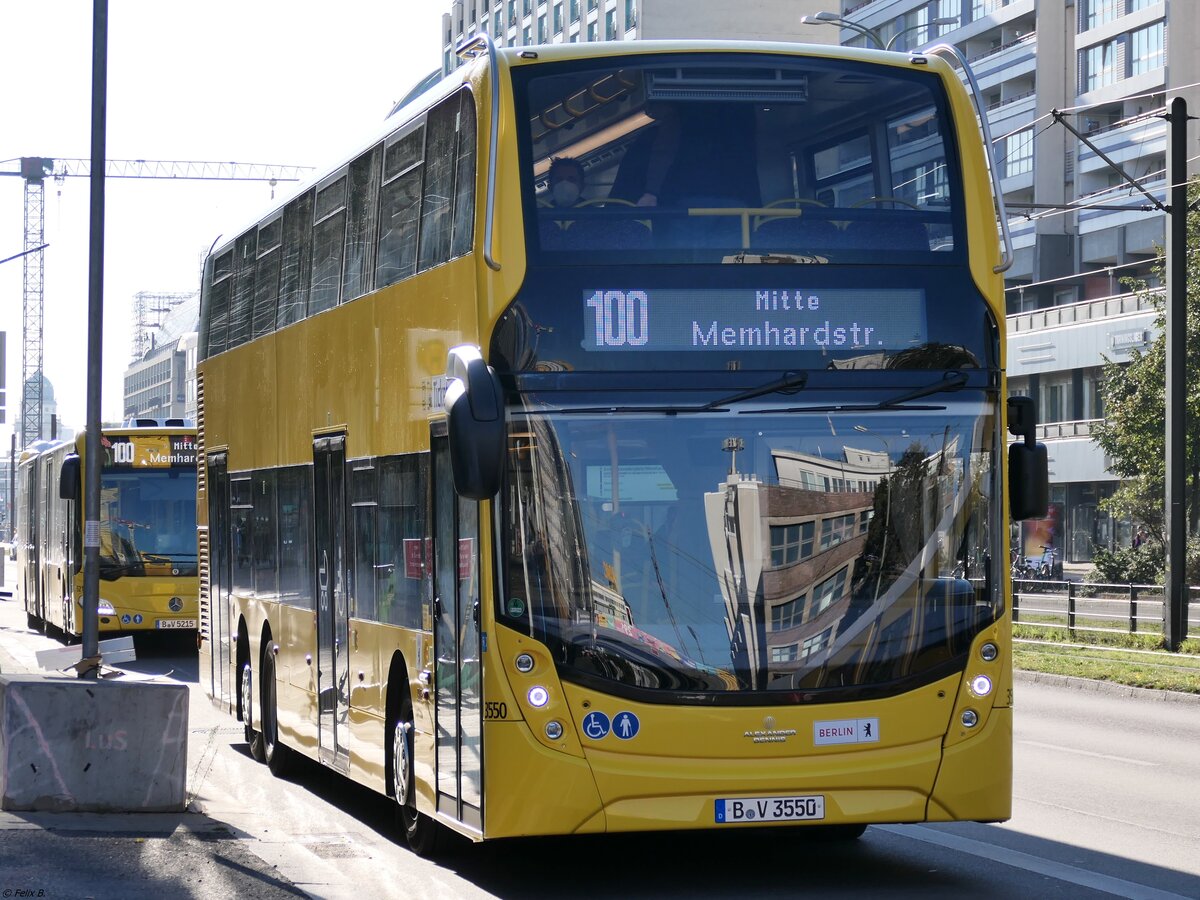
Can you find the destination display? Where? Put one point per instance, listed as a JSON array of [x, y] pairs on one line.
[[161, 451], [828, 320]]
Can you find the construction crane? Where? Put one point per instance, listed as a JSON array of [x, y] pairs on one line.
[[35, 170], [150, 311]]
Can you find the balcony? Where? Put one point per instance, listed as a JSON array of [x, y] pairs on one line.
[[1023, 232], [1076, 313], [1016, 59], [1006, 101], [1052, 431], [1098, 218], [1123, 144]]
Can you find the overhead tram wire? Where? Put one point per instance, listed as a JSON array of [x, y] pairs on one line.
[[1123, 186], [34, 171], [1162, 92], [1054, 210]]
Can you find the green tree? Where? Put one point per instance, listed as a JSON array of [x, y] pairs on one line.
[[1133, 394]]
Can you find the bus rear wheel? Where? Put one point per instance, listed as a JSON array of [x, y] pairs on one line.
[[277, 757], [424, 835]]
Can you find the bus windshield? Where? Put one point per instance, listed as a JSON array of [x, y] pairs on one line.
[[745, 159], [147, 521], [750, 549]]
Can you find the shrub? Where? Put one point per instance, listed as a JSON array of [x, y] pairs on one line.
[[1129, 565], [1146, 564]]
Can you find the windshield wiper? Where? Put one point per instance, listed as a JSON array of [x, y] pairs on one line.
[[948, 383], [790, 383], [110, 570], [952, 382], [666, 410]]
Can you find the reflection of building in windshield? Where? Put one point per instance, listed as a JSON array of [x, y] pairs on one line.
[[802, 560], [787, 554]]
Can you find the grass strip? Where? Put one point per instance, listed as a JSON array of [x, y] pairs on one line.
[[1137, 660]]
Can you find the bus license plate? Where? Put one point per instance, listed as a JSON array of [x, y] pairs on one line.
[[176, 623], [769, 809]]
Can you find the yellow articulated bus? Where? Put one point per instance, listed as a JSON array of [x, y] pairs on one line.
[[148, 579], [672, 498]]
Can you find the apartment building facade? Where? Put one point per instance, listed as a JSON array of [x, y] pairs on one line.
[[523, 23], [1108, 68]]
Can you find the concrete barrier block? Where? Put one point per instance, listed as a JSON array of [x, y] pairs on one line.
[[92, 746]]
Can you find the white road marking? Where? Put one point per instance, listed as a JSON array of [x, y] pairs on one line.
[[1121, 759], [1030, 863]]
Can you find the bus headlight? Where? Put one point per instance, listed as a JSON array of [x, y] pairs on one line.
[[554, 729], [981, 685], [970, 718], [104, 608], [538, 696], [524, 663], [989, 651]]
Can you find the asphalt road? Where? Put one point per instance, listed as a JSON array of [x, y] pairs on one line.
[[1106, 788]]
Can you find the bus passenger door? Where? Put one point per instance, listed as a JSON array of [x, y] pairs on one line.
[[32, 591], [220, 578], [329, 509], [458, 673]]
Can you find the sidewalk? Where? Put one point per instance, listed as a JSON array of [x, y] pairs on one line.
[[1077, 571], [9, 664], [127, 856]]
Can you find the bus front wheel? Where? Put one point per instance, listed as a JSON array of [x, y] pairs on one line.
[[424, 835], [253, 738]]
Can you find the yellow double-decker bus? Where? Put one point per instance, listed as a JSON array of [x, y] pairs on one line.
[[147, 564], [674, 498]]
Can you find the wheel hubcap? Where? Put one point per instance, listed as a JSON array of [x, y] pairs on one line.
[[400, 762], [247, 703]]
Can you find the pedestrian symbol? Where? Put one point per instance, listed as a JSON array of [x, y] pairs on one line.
[[626, 725], [596, 725]]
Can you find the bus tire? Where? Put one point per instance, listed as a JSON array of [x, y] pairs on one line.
[[277, 757], [423, 834], [253, 738]]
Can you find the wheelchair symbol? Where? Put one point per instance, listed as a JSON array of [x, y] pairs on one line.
[[596, 725]]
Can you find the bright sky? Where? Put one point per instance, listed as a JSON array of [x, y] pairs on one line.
[[287, 82]]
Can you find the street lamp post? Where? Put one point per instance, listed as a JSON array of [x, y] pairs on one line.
[[829, 18]]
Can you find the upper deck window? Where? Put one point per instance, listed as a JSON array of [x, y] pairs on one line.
[[734, 158], [402, 207]]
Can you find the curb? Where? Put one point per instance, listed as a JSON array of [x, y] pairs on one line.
[[1105, 687]]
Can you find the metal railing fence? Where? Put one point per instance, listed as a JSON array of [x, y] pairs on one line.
[[1097, 608]]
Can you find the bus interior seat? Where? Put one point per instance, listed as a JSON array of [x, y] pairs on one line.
[[791, 234], [604, 233], [705, 232], [550, 233], [891, 234]]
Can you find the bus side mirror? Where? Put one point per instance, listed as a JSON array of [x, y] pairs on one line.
[[475, 418], [1028, 466], [68, 478]]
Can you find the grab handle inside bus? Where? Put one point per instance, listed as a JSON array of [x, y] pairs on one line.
[[1006, 247], [475, 421], [68, 478], [1028, 466]]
